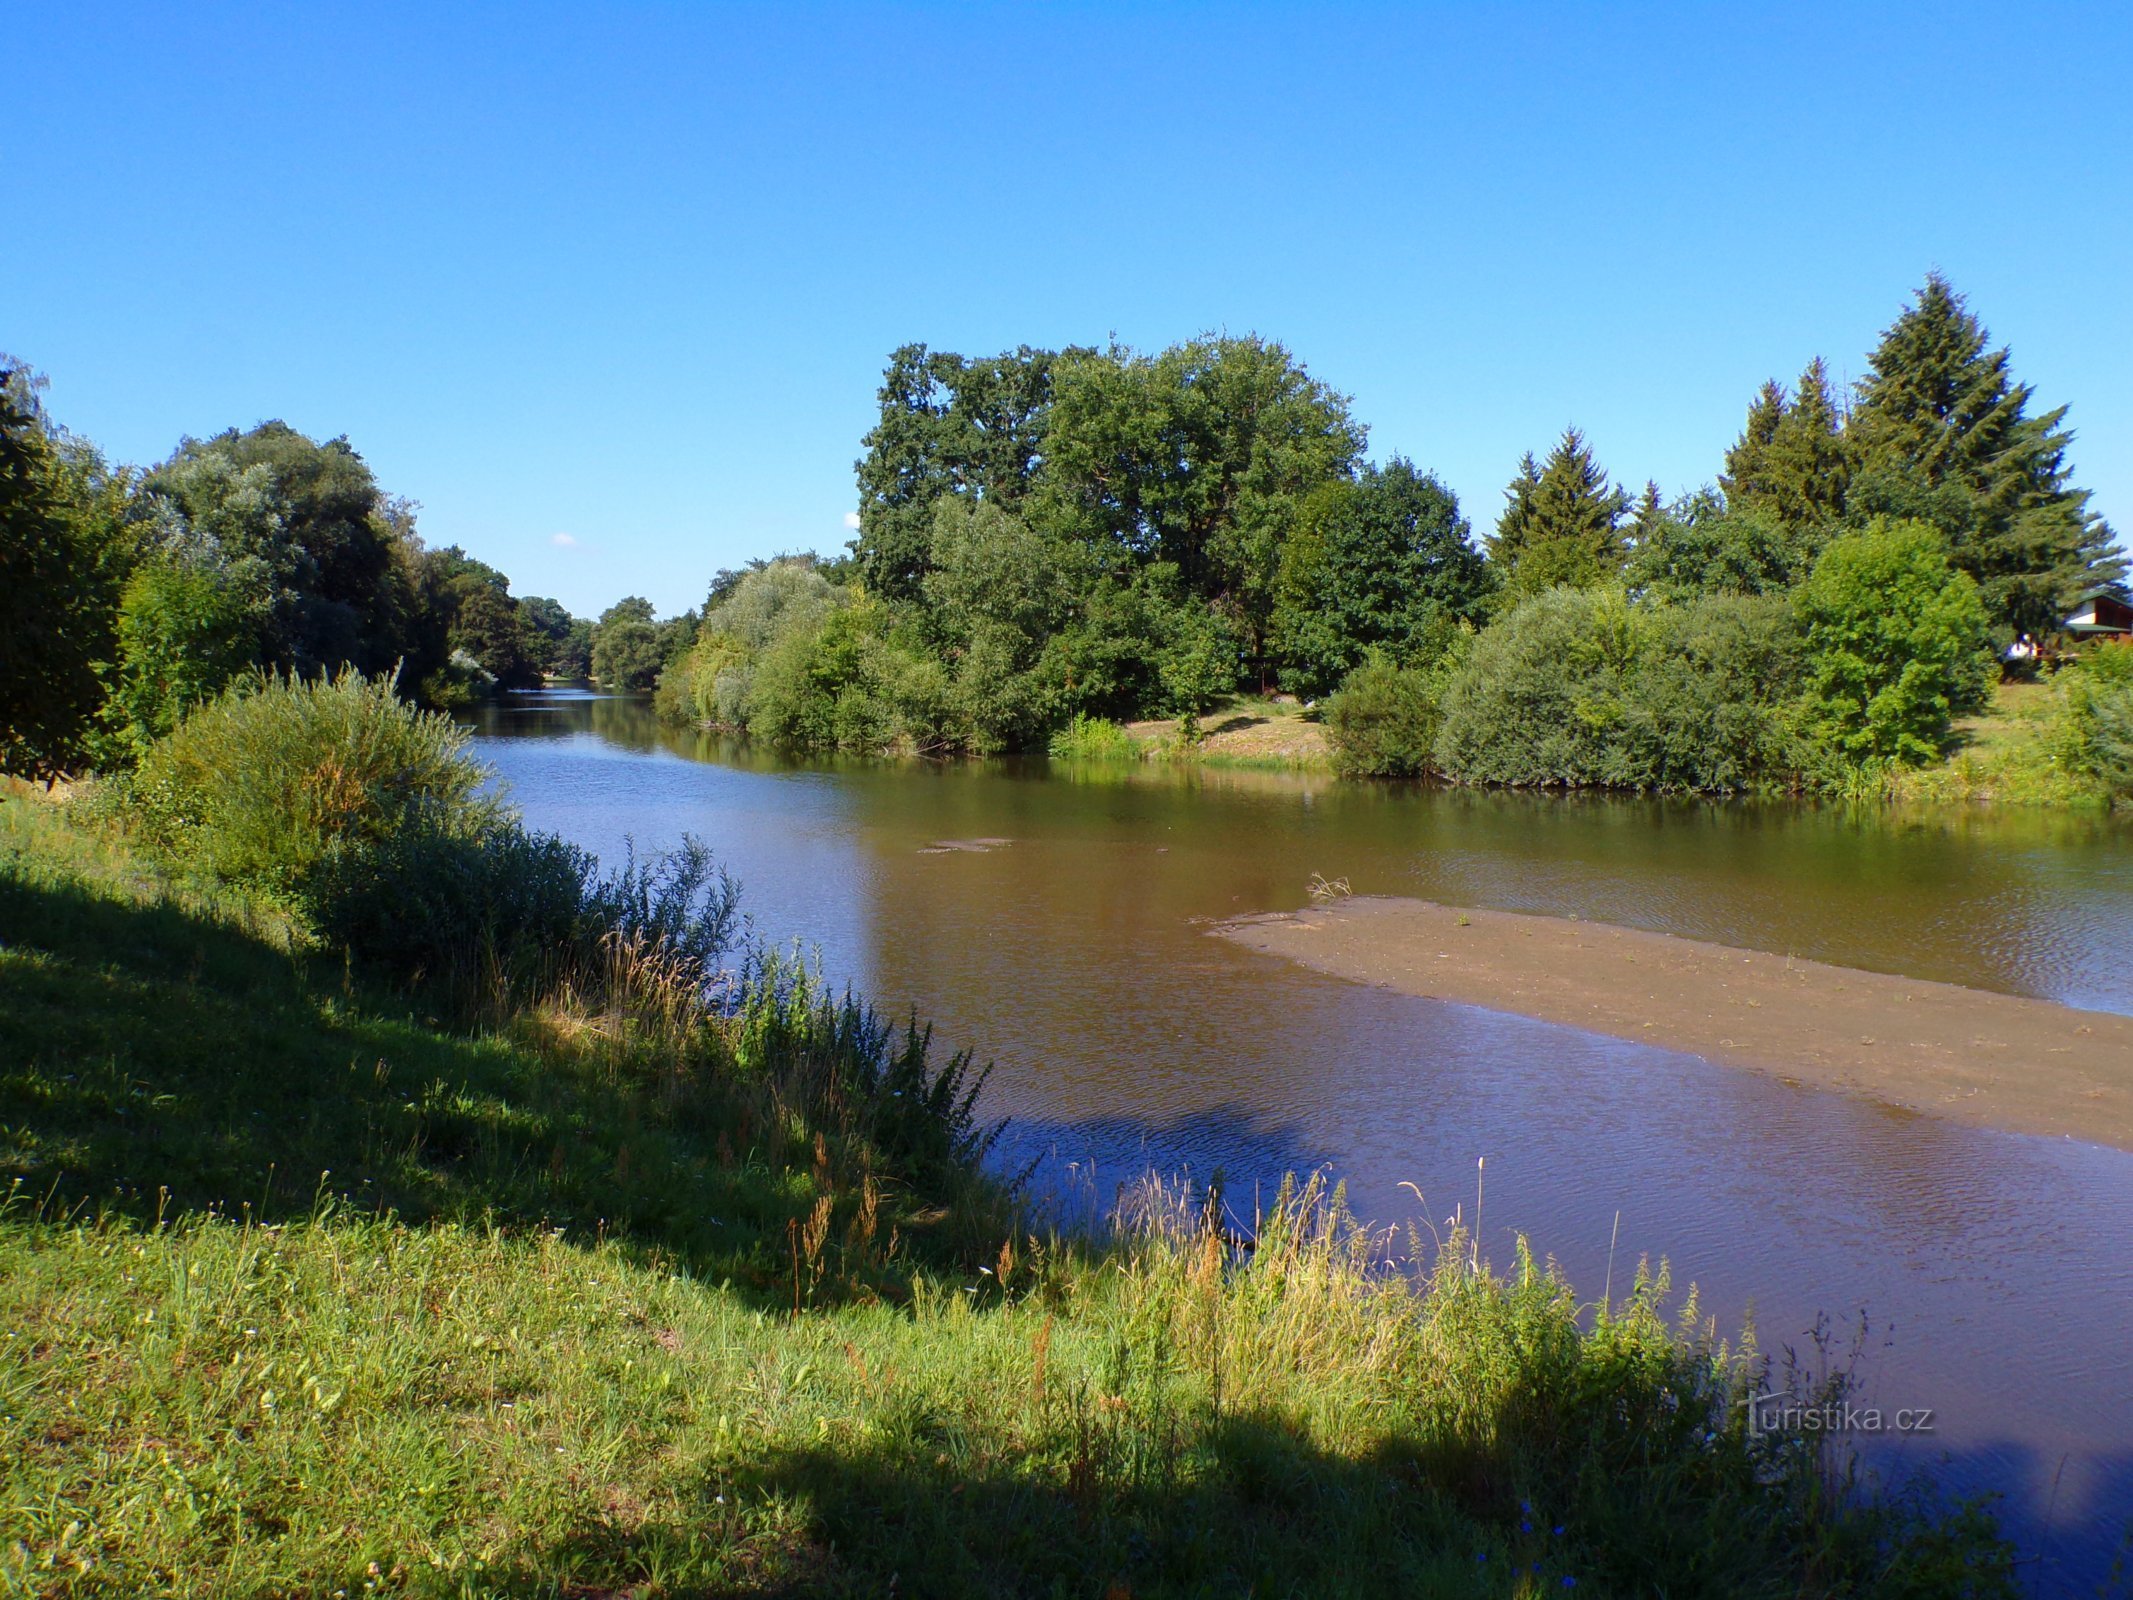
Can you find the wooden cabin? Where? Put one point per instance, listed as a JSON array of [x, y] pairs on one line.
[[2102, 614]]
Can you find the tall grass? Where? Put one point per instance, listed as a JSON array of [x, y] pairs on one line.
[[1089, 738]]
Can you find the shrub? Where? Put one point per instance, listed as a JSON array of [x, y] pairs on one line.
[[185, 630], [1708, 706], [1897, 645], [1539, 699], [1383, 722], [1580, 688], [2092, 726], [1088, 738], [503, 916], [264, 782], [466, 918]]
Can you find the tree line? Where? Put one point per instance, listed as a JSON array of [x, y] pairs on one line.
[[128, 595], [1051, 535]]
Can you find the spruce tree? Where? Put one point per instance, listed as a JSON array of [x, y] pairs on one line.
[[1561, 523], [1746, 478], [1942, 430], [1650, 519], [1790, 465], [1809, 469]]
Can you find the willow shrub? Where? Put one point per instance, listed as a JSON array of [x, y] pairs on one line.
[[1897, 646], [1383, 721], [2092, 724], [262, 783], [1579, 688]]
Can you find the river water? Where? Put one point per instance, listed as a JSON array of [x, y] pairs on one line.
[[1062, 938]]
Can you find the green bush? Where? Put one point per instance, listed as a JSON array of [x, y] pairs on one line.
[[1579, 688], [2092, 729], [1087, 738], [495, 919], [263, 783], [1383, 722], [1539, 699], [1709, 706], [185, 630], [1897, 646]]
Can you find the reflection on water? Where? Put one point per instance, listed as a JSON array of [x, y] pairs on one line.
[[1990, 1266]]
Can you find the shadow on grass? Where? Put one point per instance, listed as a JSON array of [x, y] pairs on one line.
[[153, 1061], [1245, 1504]]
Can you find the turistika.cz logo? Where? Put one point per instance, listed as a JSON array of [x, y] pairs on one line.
[[1788, 1413]]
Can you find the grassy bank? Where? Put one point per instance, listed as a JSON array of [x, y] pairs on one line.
[[2009, 754], [1248, 733], [306, 1291]]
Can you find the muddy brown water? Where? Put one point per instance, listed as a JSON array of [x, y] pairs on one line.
[[1055, 923]]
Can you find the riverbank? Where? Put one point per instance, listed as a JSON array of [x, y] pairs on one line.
[[1990, 1060], [312, 1293], [1269, 732]]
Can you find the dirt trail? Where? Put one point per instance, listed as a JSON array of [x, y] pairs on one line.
[[1990, 1059]]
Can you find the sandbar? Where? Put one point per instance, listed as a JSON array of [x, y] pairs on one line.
[[1994, 1060]]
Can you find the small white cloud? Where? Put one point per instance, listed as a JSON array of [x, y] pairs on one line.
[[563, 541], [851, 520]]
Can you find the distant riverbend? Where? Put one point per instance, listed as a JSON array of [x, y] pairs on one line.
[[1995, 1060]]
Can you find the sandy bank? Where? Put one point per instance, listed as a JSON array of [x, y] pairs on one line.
[[1991, 1059]]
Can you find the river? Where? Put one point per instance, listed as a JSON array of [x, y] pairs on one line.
[[1061, 936]]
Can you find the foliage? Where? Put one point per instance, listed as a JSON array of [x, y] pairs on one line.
[[1197, 457], [1791, 467], [712, 682], [951, 426], [627, 651], [484, 623], [2092, 731], [497, 917], [1088, 738], [828, 687], [1700, 545], [557, 644], [1383, 722], [264, 783], [1896, 642], [1378, 564], [304, 526], [63, 556], [1942, 433], [1561, 522], [1580, 688], [185, 631]]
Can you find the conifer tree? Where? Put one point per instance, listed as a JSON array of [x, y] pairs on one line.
[[1650, 519], [1942, 430], [1561, 523], [1808, 471], [1746, 478]]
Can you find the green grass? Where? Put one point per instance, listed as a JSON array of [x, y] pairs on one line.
[[2005, 756], [301, 1294]]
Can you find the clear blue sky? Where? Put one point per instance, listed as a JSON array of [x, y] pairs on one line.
[[628, 273]]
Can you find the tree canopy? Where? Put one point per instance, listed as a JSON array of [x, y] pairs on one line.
[[1561, 522], [1943, 433]]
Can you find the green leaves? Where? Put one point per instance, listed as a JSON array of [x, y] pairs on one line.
[[1943, 434], [1561, 522], [1897, 645]]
